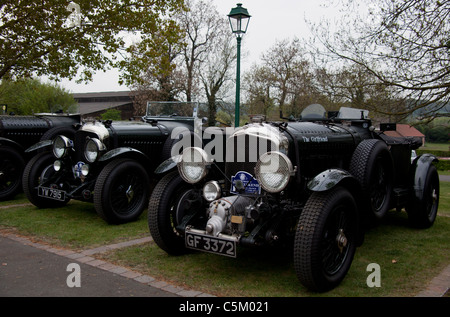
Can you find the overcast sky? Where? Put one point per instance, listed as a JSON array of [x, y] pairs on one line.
[[270, 21]]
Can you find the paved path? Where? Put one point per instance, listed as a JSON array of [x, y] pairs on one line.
[[38, 270], [33, 269]]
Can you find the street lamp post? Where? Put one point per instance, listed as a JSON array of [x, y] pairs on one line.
[[239, 19]]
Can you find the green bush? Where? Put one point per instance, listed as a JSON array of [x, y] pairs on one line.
[[112, 114], [443, 165]]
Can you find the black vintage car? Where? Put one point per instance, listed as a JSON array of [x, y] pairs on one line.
[[108, 163], [17, 133], [314, 184]]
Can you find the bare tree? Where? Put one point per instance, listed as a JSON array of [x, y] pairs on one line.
[[404, 45], [202, 24], [289, 69], [259, 86], [217, 70]]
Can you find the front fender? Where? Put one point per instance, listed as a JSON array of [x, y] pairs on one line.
[[168, 164], [14, 144], [329, 179], [39, 145], [121, 151], [420, 171]]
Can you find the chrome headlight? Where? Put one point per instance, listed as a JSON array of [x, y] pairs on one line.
[[273, 171], [57, 165], [193, 165], [61, 146], [211, 191], [92, 149]]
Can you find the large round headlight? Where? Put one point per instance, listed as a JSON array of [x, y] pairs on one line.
[[273, 171], [92, 149], [193, 165], [61, 146]]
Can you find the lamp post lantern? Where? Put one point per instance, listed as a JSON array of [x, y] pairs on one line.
[[239, 19]]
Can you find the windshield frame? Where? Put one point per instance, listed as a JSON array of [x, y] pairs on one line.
[[171, 109]]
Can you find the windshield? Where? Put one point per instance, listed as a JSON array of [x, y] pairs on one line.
[[171, 109], [314, 111]]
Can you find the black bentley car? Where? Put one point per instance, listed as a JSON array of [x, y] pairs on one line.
[[17, 133], [314, 184], [108, 163]]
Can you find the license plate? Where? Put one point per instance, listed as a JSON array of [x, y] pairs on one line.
[[52, 193], [217, 245]]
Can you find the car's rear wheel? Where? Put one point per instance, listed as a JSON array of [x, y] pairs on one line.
[[325, 239], [121, 191], [422, 213]]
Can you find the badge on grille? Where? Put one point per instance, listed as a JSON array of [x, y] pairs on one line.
[[244, 183], [77, 169]]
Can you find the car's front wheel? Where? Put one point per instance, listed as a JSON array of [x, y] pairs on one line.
[[326, 238], [167, 207], [121, 191], [38, 171]]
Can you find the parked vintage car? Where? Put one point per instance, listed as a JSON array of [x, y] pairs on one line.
[[315, 184], [17, 133], [108, 163]]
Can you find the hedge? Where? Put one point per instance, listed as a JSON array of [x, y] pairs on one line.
[[436, 153], [443, 165]]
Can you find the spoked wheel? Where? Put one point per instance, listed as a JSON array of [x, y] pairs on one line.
[[168, 204], [11, 169], [379, 188], [121, 191], [325, 240]]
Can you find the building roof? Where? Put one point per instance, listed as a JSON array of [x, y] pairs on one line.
[[405, 130], [97, 101]]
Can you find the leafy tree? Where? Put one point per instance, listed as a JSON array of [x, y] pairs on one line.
[[201, 61], [28, 96], [154, 74], [59, 39]]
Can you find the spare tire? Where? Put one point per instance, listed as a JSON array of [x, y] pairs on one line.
[[372, 166], [53, 132]]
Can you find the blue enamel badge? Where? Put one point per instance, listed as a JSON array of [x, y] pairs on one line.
[[244, 182]]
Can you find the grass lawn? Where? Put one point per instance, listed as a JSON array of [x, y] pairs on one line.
[[408, 257], [435, 146], [75, 226]]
